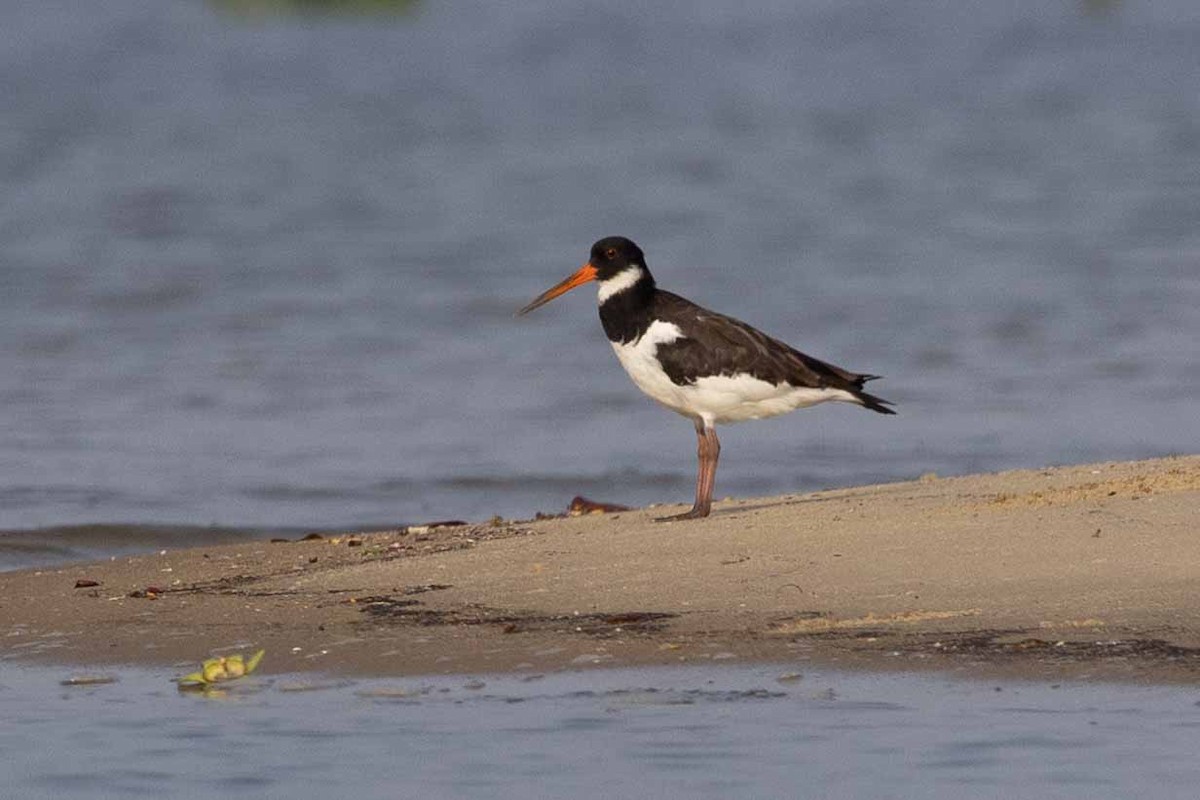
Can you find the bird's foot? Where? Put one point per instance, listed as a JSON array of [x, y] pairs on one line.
[[696, 512]]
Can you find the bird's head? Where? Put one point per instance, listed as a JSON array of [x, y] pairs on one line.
[[616, 263]]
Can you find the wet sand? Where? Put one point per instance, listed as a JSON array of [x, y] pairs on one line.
[[1077, 572]]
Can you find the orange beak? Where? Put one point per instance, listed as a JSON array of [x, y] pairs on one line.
[[585, 274]]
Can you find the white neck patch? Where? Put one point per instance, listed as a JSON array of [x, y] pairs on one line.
[[618, 283]]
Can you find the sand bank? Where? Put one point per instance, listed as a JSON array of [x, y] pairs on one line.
[[1083, 571]]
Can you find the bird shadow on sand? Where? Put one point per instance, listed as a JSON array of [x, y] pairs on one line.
[[769, 504]]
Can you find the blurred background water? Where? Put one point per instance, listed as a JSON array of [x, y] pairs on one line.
[[258, 270]]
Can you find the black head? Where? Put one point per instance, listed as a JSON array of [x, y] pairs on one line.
[[612, 255]]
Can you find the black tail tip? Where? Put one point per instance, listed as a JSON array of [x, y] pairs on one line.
[[877, 404]]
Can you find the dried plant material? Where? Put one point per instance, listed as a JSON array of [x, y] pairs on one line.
[[581, 505]]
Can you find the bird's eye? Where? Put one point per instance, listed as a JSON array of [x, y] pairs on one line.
[[610, 253]]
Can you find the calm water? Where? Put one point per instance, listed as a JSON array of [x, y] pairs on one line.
[[260, 273], [668, 733]]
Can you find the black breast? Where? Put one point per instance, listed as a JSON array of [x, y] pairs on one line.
[[626, 315]]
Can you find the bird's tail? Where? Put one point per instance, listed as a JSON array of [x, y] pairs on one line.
[[874, 403], [870, 401]]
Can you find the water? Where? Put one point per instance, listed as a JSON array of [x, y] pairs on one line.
[[260, 273], [686, 733]]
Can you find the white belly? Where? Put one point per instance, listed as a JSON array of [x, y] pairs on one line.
[[716, 399]]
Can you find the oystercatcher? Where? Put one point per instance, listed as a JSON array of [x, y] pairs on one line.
[[706, 366]]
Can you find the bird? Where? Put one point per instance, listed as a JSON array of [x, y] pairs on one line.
[[711, 368]]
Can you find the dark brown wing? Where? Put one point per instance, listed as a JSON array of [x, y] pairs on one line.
[[714, 344]]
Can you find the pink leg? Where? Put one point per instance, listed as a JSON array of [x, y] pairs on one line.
[[708, 450]]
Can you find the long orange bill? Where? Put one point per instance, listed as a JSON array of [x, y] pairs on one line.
[[585, 274]]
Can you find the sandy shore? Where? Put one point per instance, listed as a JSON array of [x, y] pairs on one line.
[[1087, 571]]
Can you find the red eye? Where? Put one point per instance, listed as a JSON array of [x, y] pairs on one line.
[[610, 253]]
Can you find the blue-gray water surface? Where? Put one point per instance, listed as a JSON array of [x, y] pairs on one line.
[[259, 271], [664, 733]]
